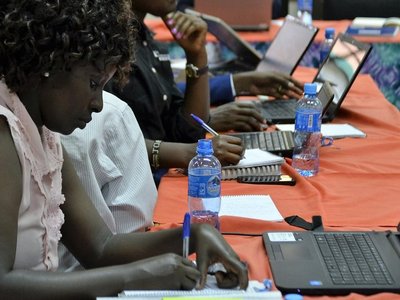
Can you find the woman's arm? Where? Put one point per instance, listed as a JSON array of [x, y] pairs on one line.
[[168, 271], [190, 32]]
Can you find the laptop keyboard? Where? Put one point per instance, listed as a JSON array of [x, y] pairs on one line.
[[352, 259], [281, 108], [278, 142]]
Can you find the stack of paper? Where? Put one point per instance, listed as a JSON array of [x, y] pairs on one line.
[[374, 26], [260, 207], [335, 131]]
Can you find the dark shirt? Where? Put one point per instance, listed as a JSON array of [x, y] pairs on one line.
[[153, 95]]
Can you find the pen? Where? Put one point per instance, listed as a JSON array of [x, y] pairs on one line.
[[204, 125], [186, 235]]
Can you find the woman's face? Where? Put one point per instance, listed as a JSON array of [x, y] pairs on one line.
[[157, 8], [68, 99]]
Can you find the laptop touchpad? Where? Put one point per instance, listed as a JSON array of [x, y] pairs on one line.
[[295, 251]]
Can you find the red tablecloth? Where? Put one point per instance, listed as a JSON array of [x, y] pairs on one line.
[[163, 34], [357, 187]]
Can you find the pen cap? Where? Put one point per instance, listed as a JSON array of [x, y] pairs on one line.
[[205, 147]]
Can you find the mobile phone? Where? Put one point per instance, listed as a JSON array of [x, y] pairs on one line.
[[267, 179]]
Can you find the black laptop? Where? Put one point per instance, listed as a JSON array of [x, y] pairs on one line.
[[283, 55], [334, 263], [340, 69], [282, 142]]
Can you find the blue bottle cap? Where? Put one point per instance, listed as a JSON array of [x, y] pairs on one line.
[[293, 297], [310, 88], [329, 33], [204, 147]]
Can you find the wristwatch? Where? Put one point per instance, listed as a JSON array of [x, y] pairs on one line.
[[195, 72]]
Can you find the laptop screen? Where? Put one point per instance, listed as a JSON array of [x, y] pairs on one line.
[[288, 46], [342, 66]]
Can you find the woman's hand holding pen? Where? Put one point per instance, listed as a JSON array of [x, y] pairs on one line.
[[228, 149], [211, 248]]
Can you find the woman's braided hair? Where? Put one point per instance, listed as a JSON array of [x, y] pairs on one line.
[[38, 36]]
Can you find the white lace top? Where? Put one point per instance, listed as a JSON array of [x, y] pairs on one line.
[[40, 217]]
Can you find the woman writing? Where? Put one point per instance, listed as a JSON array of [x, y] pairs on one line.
[[56, 58]]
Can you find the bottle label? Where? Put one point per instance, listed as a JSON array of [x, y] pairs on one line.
[[309, 122], [204, 186]]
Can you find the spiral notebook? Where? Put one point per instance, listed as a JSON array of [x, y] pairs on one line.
[[255, 162], [255, 290]]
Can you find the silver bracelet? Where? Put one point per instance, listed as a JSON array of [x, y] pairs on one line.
[[155, 152]]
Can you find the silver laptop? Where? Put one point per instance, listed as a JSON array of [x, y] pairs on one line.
[[283, 55], [340, 69], [239, 14], [334, 263]]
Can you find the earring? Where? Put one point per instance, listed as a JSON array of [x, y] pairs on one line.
[[46, 74]]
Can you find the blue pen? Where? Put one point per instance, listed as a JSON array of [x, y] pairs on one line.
[[204, 125], [186, 235]]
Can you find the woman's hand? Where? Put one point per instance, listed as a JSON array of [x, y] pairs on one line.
[[273, 84], [211, 248], [166, 272], [228, 149], [238, 116], [188, 30]]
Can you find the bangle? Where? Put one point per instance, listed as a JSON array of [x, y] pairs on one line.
[[155, 151]]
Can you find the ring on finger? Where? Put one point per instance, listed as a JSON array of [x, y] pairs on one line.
[[280, 89]]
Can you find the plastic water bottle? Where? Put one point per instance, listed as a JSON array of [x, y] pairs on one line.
[[304, 11], [307, 133], [205, 185], [326, 44]]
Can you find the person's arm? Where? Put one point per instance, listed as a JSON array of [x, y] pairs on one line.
[[190, 32], [221, 90], [228, 149], [273, 84]]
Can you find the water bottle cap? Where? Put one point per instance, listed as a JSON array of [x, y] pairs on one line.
[[204, 147], [293, 297], [310, 88], [329, 33]]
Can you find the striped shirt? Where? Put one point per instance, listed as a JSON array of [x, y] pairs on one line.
[[111, 160]]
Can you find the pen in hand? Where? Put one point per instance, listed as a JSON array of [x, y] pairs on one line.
[[204, 125], [186, 235]]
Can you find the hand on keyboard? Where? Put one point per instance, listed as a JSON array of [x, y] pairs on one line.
[[238, 116]]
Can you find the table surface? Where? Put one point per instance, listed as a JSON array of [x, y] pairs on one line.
[[356, 189], [163, 34]]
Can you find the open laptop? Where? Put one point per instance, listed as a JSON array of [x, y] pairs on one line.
[[334, 263], [340, 69], [282, 142], [239, 14], [283, 55]]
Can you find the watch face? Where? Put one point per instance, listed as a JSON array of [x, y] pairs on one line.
[[191, 71]]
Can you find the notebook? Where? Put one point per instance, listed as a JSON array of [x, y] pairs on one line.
[[211, 291], [255, 162], [283, 55], [334, 263], [339, 69], [249, 15]]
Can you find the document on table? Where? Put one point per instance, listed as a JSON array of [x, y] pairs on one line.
[[336, 131], [260, 207], [255, 290]]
